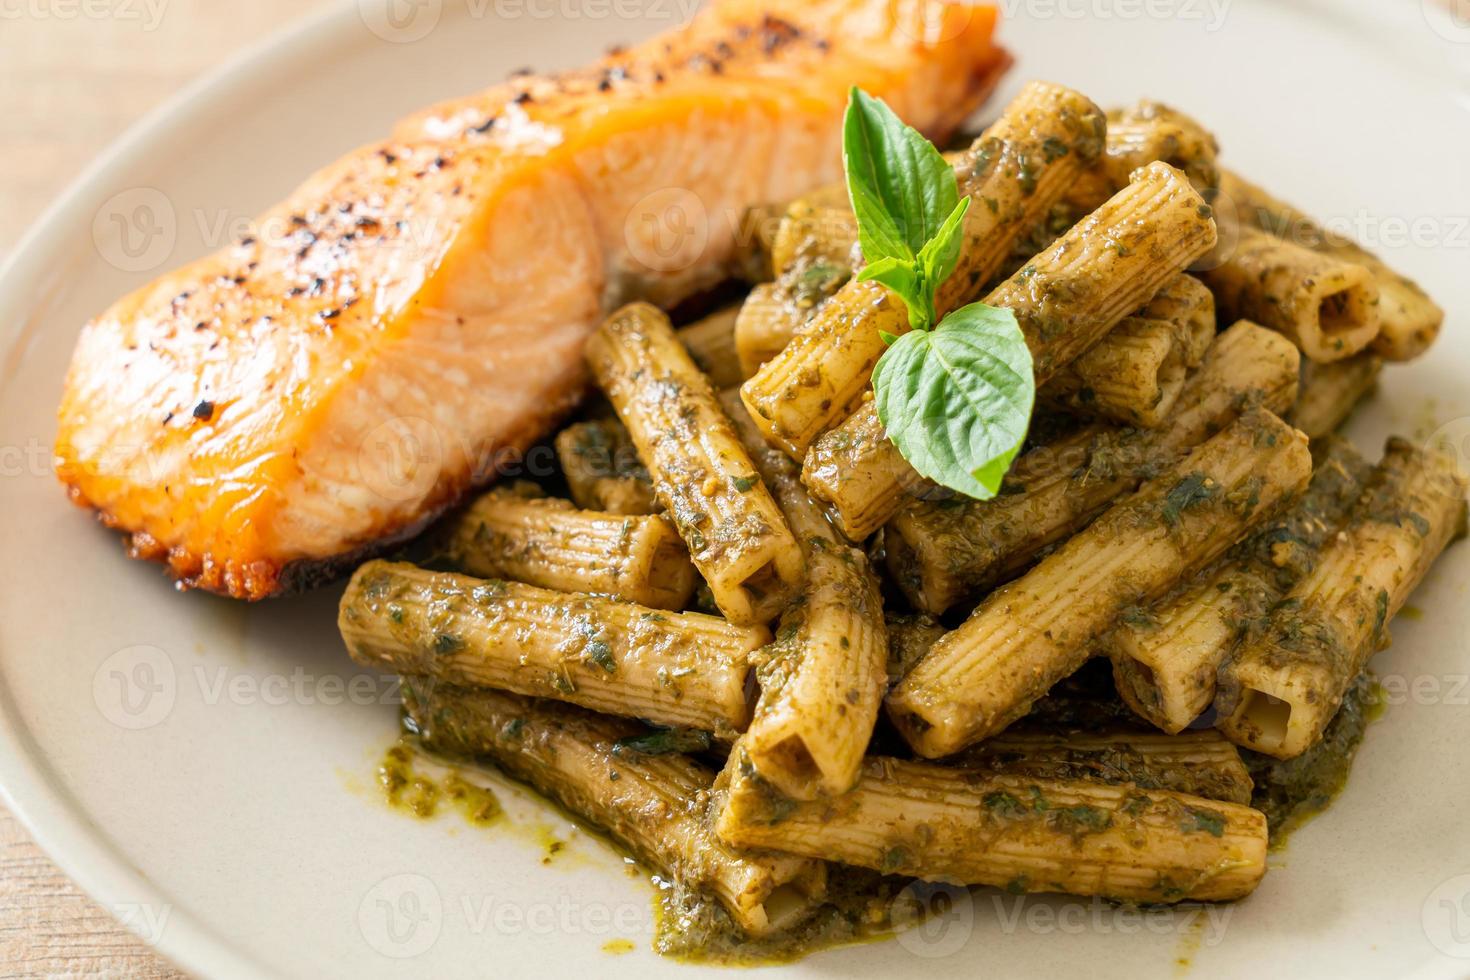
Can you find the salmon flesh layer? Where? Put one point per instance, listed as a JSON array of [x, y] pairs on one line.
[[414, 315]]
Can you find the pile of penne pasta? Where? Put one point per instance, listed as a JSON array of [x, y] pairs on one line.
[[755, 644]]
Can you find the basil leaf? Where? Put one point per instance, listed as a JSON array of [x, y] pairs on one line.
[[917, 282], [957, 400], [897, 274], [901, 188], [904, 279], [941, 253]]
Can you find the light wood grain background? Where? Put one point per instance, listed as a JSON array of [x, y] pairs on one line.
[[73, 75]]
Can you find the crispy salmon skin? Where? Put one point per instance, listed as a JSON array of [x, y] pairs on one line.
[[418, 311]]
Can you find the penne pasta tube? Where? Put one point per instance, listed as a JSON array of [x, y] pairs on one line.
[[1202, 763], [1329, 392], [1409, 320], [1032, 633], [814, 253], [859, 474], [655, 805], [1165, 656], [1188, 305], [1053, 225], [781, 477], [909, 638], [940, 552], [1107, 266], [1016, 832], [550, 543], [823, 679], [767, 321], [1133, 375], [1279, 691], [1013, 174], [1136, 137], [682, 669], [1327, 307], [819, 228], [711, 345], [773, 312], [603, 470], [1065, 300], [701, 473], [1140, 135]]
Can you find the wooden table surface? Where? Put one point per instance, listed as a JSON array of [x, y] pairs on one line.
[[70, 82], [72, 78]]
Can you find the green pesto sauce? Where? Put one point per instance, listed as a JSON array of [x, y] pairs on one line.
[[1293, 791], [862, 906], [406, 788]]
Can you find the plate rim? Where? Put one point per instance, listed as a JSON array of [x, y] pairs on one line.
[[56, 822]]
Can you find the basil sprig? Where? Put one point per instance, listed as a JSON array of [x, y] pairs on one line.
[[955, 396]]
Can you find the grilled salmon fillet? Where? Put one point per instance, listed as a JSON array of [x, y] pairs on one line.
[[414, 315]]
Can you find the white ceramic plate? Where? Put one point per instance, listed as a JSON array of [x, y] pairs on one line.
[[205, 768]]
